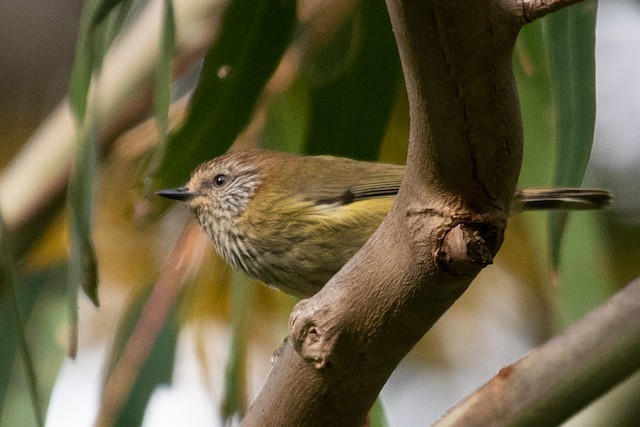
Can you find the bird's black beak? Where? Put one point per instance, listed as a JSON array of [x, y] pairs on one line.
[[182, 193]]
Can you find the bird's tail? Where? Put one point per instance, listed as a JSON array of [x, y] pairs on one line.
[[560, 198]]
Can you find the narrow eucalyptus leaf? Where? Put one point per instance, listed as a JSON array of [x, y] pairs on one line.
[[82, 65], [570, 41], [156, 370], [82, 260], [162, 88], [350, 113], [152, 369], [104, 7], [252, 39], [234, 402], [13, 330]]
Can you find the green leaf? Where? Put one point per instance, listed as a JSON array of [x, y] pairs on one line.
[[156, 367], [570, 40], [378, 417], [102, 9], [94, 37], [530, 65], [93, 42], [83, 64], [252, 39], [234, 402], [288, 120], [156, 370], [162, 89], [13, 330], [82, 259], [531, 69], [350, 114], [45, 290], [126, 326], [163, 86], [83, 270], [586, 275]]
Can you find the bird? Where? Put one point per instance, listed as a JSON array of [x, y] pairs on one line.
[[293, 221]]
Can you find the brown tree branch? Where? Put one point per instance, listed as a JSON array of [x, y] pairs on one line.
[[535, 9], [556, 380], [448, 221]]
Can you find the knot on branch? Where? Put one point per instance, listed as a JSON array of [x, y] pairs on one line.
[[535, 9], [313, 342], [468, 246]]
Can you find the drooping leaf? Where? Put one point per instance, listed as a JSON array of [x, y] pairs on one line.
[[150, 369], [531, 68], [162, 88], [288, 120], [13, 330], [156, 370], [93, 41], [92, 44], [144, 350], [98, 27], [585, 271], [530, 253], [125, 326], [234, 402], [44, 290], [83, 64], [82, 260], [252, 39], [570, 41], [538, 49], [102, 9], [351, 112]]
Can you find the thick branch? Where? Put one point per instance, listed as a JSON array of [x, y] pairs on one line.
[[457, 63], [447, 223], [556, 380]]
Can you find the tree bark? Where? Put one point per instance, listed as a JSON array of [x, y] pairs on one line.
[[465, 149]]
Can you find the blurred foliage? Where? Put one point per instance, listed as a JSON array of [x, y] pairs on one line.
[[252, 39], [96, 33], [569, 39], [235, 400], [154, 368], [13, 335], [31, 351], [272, 81], [555, 70], [348, 118], [162, 87]]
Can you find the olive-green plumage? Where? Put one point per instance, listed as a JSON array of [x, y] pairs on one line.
[[293, 221]]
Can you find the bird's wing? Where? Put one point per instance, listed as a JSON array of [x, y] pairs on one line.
[[379, 183], [350, 181]]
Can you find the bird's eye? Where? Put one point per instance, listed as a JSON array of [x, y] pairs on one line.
[[220, 180]]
